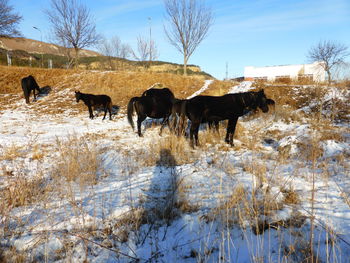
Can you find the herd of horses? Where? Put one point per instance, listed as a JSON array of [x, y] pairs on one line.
[[160, 103]]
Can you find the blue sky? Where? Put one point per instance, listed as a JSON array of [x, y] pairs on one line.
[[244, 32]]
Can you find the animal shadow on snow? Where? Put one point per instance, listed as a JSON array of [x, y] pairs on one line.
[[99, 109], [44, 91], [162, 206], [162, 195]]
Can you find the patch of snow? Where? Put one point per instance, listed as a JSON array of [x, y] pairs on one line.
[[244, 86], [205, 86]]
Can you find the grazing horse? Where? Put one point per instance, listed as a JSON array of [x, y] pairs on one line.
[[227, 107], [29, 84], [91, 100], [154, 103]]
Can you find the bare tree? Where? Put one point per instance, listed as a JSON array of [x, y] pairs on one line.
[[105, 47], [330, 53], [153, 50], [64, 48], [114, 48], [146, 49], [125, 51], [8, 20], [189, 22], [72, 24]]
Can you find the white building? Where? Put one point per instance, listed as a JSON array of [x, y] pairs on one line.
[[313, 72]]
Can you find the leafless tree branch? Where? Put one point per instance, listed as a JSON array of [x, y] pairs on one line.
[[330, 53], [8, 20], [72, 24], [189, 23], [114, 48], [146, 49]]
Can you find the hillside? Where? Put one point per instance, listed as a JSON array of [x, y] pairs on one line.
[[38, 47], [29, 52], [74, 189]]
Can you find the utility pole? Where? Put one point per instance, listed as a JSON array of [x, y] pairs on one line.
[[41, 39], [150, 41], [226, 70]]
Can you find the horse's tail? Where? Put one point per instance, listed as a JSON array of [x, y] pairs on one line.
[[131, 111]]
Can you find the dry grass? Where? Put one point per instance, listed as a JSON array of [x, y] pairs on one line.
[[78, 161], [167, 150], [23, 191], [13, 152], [120, 86]]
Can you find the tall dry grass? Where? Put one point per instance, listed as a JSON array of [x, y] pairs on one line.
[[121, 86]]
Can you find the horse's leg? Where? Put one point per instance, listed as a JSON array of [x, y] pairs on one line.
[[110, 111], [140, 119], [230, 131], [34, 94], [26, 95], [90, 112], [216, 126], [194, 133], [105, 109]]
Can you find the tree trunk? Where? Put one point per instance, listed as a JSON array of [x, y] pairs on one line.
[[329, 76], [185, 65], [76, 56]]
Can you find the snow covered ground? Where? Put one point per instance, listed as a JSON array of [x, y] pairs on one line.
[[259, 201]]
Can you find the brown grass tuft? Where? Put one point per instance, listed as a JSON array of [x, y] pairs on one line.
[[78, 161], [23, 191]]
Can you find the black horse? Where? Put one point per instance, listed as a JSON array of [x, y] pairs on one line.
[[154, 103], [227, 107], [29, 84], [91, 100], [179, 120]]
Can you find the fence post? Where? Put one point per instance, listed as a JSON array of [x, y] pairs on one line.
[[9, 60]]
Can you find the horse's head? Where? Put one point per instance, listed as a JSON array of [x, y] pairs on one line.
[[78, 95], [262, 101]]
